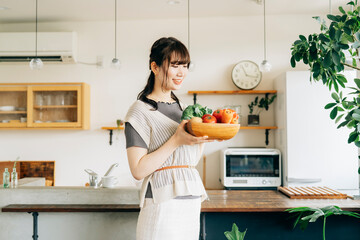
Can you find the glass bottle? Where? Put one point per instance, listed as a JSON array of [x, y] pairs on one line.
[[14, 178], [6, 178]]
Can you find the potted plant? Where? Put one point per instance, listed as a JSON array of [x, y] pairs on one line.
[[256, 107], [327, 54]]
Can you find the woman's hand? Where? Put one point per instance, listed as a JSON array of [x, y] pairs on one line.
[[181, 137]]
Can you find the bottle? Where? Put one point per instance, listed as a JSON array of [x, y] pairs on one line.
[[6, 178], [14, 178]]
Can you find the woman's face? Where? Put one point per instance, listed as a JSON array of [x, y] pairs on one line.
[[174, 77]]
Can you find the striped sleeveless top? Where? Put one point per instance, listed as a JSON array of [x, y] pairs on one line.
[[155, 129]]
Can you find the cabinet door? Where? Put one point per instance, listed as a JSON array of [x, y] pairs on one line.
[[13, 102], [54, 106]]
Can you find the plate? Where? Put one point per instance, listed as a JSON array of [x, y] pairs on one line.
[[215, 131], [7, 108], [62, 121]]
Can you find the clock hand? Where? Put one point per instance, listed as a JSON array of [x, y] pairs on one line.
[[244, 71], [252, 76]]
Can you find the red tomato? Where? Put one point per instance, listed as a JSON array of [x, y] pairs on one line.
[[205, 115], [217, 114], [209, 119], [226, 116]]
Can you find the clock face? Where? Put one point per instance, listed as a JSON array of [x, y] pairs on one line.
[[246, 75]]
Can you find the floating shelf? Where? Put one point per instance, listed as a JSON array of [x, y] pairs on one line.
[[258, 127], [111, 129]]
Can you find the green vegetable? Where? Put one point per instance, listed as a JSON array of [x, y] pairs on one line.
[[195, 110]]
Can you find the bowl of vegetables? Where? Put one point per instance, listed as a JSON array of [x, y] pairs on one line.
[[222, 124]]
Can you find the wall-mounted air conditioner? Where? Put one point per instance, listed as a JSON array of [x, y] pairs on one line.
[[56, 47]]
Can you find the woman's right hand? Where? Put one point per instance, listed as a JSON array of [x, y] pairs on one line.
[[182, 137]]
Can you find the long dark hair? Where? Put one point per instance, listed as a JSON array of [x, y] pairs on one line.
[[161, 52]]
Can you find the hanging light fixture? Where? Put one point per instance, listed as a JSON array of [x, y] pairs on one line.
[[36, 62], [265, 66], [191, 64], [115, 63]]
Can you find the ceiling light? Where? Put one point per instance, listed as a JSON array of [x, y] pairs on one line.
[[36, 62], [265, 66], [4, 8], [115, 63]]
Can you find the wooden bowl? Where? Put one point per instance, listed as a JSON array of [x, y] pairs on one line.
[[215, 131]]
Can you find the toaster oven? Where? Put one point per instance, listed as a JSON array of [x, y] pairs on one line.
[[250, 168]]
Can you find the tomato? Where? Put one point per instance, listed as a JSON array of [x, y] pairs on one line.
[[226, 116], [209, 119], [205, 115], [217, 114], [235, 120]]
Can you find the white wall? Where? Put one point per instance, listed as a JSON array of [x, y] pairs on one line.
[[216, 45]]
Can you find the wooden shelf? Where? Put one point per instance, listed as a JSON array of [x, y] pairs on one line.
[[111, 129], [13, 112], [55, 106], [235, 92], [257, 127]]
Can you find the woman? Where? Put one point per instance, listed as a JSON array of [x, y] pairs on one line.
[[162, 153]]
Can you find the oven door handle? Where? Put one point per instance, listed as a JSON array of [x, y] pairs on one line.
[[303, 180]]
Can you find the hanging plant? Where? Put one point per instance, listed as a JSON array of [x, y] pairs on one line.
[[327, 53]]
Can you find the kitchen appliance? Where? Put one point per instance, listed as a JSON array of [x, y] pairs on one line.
[[250, 168], [314, 151]]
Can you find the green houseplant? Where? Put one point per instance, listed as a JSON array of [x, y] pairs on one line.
[[256, 106], [327, 54], [306, 215]]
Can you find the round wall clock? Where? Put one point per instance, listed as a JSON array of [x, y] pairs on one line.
[[246, 75]]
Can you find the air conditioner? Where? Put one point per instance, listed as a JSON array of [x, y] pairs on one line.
[[57, 47]]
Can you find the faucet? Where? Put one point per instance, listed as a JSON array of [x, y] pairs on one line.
[[111, 168]]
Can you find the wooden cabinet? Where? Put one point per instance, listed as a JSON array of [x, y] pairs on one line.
[[45, 105]]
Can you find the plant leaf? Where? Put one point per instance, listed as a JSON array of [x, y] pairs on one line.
[[335, 57], [329, 105], [352, 136], [333, 113], [338, 118], [356, 116]]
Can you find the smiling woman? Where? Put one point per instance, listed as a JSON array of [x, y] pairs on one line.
[[162, 153]]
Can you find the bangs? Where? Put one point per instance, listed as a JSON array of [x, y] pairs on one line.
[[180, 55]]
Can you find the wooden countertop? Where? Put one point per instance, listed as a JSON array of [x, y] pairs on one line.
[[266, 201], [220, 201]]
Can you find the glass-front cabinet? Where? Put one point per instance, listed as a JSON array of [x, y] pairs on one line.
[[45, 105]]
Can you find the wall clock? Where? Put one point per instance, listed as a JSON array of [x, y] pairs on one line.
[[246, 75]]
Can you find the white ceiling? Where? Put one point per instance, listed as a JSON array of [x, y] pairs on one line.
[[103, 10]]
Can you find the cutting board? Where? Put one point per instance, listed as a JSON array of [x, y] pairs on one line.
[[311, 193]]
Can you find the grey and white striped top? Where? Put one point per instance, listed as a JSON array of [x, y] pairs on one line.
[[155, 129]]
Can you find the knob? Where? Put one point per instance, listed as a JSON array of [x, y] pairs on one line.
[[264, 182]]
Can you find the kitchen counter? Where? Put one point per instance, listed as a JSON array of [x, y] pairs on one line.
[[88, 213]]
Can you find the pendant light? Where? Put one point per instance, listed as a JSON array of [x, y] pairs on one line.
[[265, 66], [191, 64], [36, 62], [115, 63]]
